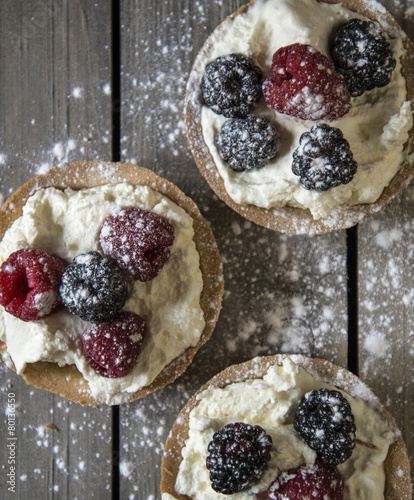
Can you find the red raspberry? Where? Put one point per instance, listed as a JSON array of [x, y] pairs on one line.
[[112, 348], [28, 284], [319, 482], [138, 240], [303, 82]]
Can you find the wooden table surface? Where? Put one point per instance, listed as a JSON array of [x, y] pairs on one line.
[[83, 79]]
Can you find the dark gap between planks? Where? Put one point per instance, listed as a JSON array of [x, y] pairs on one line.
[[351, 239], [352, 290], [116, 156]]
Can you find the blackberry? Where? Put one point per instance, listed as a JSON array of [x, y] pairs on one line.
[[238, 456], [231, 85], [323, 159], [246, 143], [93, 287], [362, 55], [325, 421]]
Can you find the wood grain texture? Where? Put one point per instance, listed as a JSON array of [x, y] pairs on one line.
[[386, 294], [282, 293], [54, 108], [386, 310]]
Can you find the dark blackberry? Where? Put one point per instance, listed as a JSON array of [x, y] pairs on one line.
[[93, 287], [231, 85], [246, 143], [362, 55], [325, 421], [238, 456], [323, 159]]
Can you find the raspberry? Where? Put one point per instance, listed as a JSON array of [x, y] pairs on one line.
[[246, 143], [304, 83], [323, 159], [362, 55], [138, 240], [317, 482], [231, 85], [93, 287], [238, 456], [325, 421], [28, 284], [112, 348]]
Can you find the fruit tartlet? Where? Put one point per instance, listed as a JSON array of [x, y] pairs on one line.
[[299, 114], [285, 427], [110, 281]]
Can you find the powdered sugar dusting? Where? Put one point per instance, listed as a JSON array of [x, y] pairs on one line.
[[282, 293], [58, 436], [377, 346], [385, 239], [126, 468], [77, 92]]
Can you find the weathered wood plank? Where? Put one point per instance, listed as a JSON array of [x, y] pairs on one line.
[[386, 297], [55, 106], [386, 310], [283, 293]]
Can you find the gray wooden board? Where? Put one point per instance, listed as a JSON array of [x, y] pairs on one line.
[[282, 294], [386, 310], [386, 294], [55, 60]]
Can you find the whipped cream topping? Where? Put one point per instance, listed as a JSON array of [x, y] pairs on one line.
[[376, 127], [66, 223], [271, 402]]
